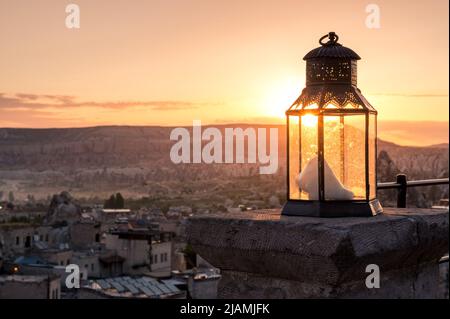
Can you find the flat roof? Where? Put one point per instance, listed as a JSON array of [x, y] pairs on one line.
[[118, 210], [137, 287], [23, 278]]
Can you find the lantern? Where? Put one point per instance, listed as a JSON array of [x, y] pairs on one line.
[[331, 139]]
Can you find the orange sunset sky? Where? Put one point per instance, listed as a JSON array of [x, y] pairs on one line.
[[168, 62]]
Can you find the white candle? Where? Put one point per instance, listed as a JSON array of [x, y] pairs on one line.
[[308, 182]]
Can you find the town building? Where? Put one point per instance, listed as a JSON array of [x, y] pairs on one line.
[[98, 263], [145, 251], [19, 238], [108, 215], [55, 256], [85, 234], [203, 280], [30, 287]]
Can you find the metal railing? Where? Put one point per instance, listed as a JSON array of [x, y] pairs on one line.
[[402, 184]]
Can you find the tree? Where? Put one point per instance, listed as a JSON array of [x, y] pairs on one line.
[[110, 203], [120, 201], [11, 197], [115, 201]]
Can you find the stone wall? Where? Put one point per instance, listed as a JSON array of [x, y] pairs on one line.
[[262, 254]]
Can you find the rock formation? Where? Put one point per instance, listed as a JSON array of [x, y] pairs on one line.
[[63, 209]]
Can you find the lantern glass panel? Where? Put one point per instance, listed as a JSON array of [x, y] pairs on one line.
[[294, 156], [372, 156], [308, 157], [344, 156]]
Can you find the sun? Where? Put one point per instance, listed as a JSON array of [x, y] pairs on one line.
[[280, 95], [309, 120]]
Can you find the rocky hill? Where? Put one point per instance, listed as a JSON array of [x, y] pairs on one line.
[[96, 161]]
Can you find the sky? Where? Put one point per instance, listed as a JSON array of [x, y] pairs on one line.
[[169, 62]]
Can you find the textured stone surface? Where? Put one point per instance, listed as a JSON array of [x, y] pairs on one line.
[[416, 282], [288, 257]]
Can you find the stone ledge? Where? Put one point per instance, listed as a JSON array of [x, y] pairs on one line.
[[319, 251], [404, 283]]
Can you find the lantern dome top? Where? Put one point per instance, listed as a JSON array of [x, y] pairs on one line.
[[331, 49], [331, 81]]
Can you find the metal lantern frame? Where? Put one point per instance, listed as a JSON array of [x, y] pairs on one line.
[[331, 91]]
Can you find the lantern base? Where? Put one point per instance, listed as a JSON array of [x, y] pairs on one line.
[[331, 209]]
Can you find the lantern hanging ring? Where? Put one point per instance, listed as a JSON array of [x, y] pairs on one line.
[[333, 38]]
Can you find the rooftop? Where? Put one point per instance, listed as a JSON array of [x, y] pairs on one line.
[[139, 287], [116, 210], [23, 278], [30, 260]]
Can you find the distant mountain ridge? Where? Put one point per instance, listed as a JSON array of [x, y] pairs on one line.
[[100, 146], [104, 158]]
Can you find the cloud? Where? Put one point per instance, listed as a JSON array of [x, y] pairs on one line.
[[27, 96], [154, 105], [25, 101]]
